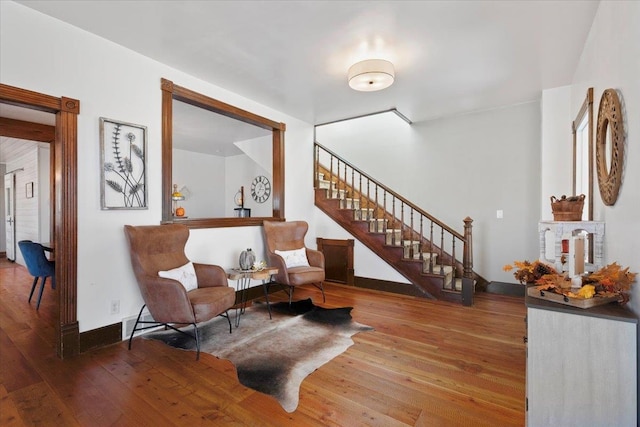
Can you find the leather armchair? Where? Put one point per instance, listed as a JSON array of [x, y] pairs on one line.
[[155, 248], [287, 236]]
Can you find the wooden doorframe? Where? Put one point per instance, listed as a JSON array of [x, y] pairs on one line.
[[64, 206]]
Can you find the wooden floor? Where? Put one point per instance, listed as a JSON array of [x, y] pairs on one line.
[[426, 364]]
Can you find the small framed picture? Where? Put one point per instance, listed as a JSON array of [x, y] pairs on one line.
[[123, 161], [29, 189]]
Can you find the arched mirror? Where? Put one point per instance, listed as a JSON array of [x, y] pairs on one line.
[[221, 166]]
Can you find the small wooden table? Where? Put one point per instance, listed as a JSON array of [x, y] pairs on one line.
[[244, 280]]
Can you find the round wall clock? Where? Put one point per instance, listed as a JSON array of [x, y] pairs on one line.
[[609, 147], [260, 189]]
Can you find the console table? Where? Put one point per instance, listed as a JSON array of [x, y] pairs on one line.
[[582, 365], [561, 228], [244, 280]]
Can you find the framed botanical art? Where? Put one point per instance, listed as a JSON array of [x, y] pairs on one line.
[[123, 165]]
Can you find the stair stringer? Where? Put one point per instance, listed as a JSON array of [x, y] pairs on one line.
[[430, 285]]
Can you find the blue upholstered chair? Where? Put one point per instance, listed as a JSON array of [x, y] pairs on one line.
[[38, 265]]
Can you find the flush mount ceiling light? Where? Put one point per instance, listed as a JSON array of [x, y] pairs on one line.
[[371, 75]]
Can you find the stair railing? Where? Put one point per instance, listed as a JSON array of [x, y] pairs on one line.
[[376, 202]]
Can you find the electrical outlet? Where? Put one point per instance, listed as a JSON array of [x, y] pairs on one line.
[[115, 307], [499, 214]]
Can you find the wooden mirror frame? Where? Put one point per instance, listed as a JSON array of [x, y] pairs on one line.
[[171, 92], [609, 121], [585, 110]]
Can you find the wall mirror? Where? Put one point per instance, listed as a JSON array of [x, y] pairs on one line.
[[582, 128], [609, 146], [212, 153]]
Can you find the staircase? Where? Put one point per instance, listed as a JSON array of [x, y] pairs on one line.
[[436, 259]]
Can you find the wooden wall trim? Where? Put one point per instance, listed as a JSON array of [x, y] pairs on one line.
[[64, 205], [66, 163], [388, 286], [27, 130], [100, 337]]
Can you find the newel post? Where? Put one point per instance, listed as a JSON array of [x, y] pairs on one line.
[[467, 260], [467, 265]]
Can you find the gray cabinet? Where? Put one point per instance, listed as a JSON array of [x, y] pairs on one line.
[[582, 365]]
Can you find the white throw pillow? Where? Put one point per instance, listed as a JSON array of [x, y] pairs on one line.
[[294, 258], [186, 275]]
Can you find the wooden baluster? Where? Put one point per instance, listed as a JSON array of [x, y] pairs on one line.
[[360, 194], [411, 233], [421, 238], [441, 250], [353, 195], [344, 185], [377, 211], [368, 197], [453, 262], [401, 221], [384, 201], [331, 177], [393, 213], [431, 247]]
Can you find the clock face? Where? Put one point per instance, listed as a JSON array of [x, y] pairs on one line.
[[260, 189]]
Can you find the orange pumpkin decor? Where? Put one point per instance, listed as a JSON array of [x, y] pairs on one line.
[[180, 211]]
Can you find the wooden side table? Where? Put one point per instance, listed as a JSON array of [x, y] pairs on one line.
[[244, 280]]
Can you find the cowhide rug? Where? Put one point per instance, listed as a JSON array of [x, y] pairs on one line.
[[275, 356]]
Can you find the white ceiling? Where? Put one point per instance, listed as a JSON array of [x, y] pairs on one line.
[[451, 57]]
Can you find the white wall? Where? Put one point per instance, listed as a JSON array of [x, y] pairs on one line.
[[556, 147], [611, 59], [111, 81], [469, 165]]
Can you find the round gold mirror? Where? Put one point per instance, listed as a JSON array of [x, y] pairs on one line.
[[609, 147]]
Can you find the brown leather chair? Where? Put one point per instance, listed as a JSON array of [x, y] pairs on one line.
[[155, 248], [288, 236]]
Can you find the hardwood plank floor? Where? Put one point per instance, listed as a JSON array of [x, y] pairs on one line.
[[427, 363]]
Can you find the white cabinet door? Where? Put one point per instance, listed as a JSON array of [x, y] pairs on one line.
[[10, 213], [581, 370]]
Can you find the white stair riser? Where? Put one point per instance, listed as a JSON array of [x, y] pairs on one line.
[[349, 203], [377, 225], [325, 185], [411, 249], [392, 237], [364, 214], [335, 194]]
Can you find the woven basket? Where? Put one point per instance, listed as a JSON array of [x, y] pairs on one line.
[[567, 208]]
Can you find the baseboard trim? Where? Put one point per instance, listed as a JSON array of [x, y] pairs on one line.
[[503, 288], [100, 337], [387, 286]]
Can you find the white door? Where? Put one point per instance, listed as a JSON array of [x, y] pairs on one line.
[[9, 197]]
